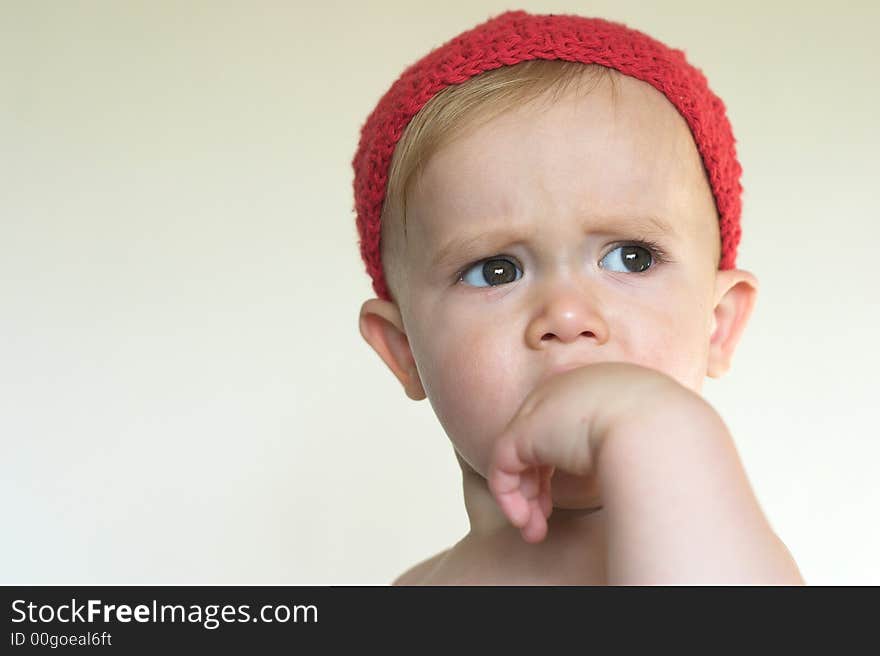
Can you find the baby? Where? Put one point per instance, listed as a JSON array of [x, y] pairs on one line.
[[552, 244]]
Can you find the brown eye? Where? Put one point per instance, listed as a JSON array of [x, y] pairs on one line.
[[632, 258], [496, 271]]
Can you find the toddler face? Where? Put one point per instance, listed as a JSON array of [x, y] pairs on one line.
[[525, 254]]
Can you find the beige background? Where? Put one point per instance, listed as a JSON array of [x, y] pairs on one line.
[[184, 394]]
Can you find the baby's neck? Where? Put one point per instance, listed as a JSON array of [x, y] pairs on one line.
[[573, 553], [494, 552]]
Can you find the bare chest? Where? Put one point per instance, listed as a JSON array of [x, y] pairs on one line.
[[520, 564]]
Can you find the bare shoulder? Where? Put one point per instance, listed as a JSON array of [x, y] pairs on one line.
[[416, 574]]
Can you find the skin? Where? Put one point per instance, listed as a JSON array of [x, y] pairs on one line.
[[679, 506], [564, 176]]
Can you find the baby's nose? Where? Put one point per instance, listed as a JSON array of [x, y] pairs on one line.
[[567, 316]]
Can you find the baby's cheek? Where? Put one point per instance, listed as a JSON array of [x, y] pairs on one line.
[[677, 350], [474, 390]]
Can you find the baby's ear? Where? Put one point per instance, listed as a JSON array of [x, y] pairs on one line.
[[735, 294], [382, 328]]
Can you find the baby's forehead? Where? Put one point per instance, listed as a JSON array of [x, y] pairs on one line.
[[440, 238], [580, 154], [531, 203], [624, 161]]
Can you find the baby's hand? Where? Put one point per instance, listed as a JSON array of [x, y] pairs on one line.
[[561, 425]]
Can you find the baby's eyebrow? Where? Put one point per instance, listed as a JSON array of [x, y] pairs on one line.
[[461, 247]]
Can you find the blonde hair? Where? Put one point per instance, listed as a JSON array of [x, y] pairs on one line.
[[458, 109]]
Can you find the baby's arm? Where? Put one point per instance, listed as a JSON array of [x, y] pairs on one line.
[[678, 504]]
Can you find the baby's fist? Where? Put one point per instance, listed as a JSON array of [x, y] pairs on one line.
[[562, 425]]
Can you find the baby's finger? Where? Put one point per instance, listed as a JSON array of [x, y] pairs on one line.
[[530, 483], [505, 477], [536, 528], [517, 484], [506, 455], [505, 487], [545, 497], [514, 506]]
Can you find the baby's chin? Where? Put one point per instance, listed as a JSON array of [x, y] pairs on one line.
[[575, 492]]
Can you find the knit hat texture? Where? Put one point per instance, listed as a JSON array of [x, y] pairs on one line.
[[517, 36]]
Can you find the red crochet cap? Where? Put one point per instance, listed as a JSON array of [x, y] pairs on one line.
[[517, 36]]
